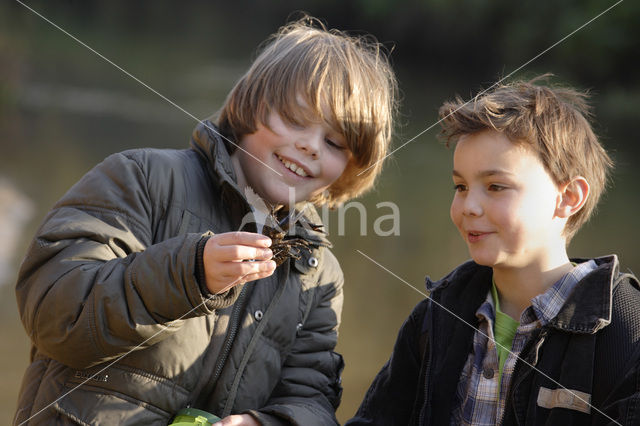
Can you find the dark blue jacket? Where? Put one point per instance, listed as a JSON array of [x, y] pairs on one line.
[[592, 346]]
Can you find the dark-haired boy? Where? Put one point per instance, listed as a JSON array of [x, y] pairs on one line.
[[521, 334]]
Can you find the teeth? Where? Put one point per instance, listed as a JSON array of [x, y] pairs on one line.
[[293, 167]]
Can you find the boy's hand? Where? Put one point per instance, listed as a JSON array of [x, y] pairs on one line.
[[234, 258], [239, 420]]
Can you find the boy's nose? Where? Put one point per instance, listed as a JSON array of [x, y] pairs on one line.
[[472, 206], [309, 143]]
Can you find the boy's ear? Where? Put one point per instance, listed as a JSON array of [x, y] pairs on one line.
[[572, 197]]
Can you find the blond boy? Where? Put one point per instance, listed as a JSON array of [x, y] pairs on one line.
[[142, 298]]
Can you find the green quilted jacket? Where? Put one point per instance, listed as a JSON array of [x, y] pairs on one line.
[[123, 334]]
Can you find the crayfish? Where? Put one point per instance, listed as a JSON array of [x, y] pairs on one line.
[[283, 244]]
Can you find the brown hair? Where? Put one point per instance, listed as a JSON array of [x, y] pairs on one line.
[[553, 121], [343, 80]]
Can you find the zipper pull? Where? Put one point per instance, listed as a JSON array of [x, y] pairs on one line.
[[533, 360]]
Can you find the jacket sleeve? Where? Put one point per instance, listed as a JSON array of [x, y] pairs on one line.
[[617, 377], [94, 285], [309, 389], [391, 396]]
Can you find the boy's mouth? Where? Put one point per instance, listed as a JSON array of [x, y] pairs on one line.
[[295, 168], [474, 236]]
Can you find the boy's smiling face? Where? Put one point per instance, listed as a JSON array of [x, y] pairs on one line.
[[308, 158], [505, 203]]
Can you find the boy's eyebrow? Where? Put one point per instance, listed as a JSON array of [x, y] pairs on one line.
[[485, 173]]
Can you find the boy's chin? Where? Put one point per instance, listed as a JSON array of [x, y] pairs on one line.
[[285, 198], [276, 200], [501, 264], [484, 260]]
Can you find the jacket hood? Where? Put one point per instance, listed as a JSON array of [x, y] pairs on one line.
[[210, 144]]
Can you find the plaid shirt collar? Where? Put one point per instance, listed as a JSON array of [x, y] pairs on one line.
[[547, 305]]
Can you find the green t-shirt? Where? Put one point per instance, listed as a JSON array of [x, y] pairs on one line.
[[504, 329]]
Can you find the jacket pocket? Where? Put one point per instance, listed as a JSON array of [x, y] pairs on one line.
[[120, 395], [92, 406]]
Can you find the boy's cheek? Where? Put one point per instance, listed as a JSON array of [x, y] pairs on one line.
[[454, 212]]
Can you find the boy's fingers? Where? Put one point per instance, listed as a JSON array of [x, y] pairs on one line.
[[256, 276], [235, 273], [242, 238], [239, 253], [241, 269]]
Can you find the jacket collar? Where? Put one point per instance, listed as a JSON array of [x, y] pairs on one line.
[[587, 309], [208, 142], [460, 274]]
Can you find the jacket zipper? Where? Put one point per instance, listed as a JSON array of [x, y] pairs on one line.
[[517, 380], [283, 280], [231, 335], [426, 372], [426, 388]]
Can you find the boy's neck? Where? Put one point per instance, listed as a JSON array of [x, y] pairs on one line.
[[517, 286]]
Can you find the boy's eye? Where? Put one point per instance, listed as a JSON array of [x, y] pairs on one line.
[[459, 187], [333, 144], [496, 188]]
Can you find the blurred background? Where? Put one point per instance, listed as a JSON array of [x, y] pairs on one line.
[[63, 109]]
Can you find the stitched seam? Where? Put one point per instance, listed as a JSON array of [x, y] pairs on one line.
[[47, 362], [93, 328], [69, 415], [39, 309], [135, 159], [130, 220], [310, 303], [157, 379], [119, 395]]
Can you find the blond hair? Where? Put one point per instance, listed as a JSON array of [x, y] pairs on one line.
[[343, 80], [552, 121]]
